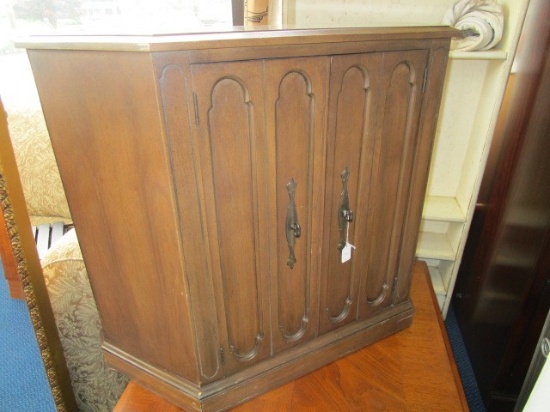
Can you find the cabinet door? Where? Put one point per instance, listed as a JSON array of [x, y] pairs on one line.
[[230, 117], [395, 150], [374, 108], [295, 108]]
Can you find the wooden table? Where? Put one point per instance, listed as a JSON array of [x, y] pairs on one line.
[[413, 370]]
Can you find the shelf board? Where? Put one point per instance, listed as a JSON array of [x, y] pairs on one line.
[[443, 209], [479, 55], [434, 246], [437, 284], [437, 281]]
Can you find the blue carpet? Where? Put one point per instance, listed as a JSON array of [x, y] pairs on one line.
[[23, 383], [462, 359]]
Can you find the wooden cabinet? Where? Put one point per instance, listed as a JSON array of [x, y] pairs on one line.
[[215, 181]]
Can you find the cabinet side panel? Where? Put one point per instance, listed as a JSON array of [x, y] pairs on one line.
[[174, 89], [352, 117], [103, 117], [394, 150], [230, 102]]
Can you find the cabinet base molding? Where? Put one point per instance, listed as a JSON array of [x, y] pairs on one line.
[[265, 376]]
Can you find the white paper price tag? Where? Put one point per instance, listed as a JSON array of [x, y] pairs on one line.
[[346, 251]]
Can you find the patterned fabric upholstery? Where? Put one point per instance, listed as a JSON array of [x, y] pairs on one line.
[[97, 387], [38, 170]]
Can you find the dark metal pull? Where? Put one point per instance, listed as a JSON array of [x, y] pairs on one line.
[[293, 230], [345, 215]]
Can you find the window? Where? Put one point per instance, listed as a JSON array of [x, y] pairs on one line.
[[23, 17]]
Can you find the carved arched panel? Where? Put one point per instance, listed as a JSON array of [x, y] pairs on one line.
[[294, 111], [295, 103], [395, 151], [234, 188], [351, 131], [229, 100], [174, 88]]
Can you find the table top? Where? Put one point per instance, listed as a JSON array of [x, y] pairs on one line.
[[413, 370], [147, 39]]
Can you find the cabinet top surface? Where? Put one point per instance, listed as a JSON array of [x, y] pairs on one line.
[[233, 37]]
